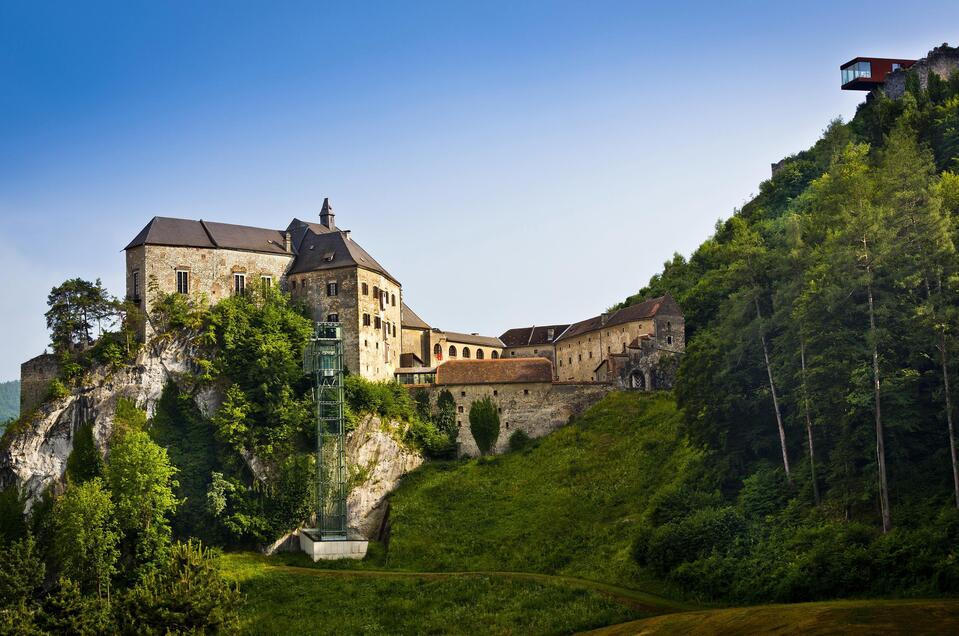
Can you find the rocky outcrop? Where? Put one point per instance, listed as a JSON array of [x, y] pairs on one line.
[[376, 461], [35, 457]]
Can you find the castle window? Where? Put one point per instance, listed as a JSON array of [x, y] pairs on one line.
[[459, 409], [452, 351], [580, 357], [466, 352], [394, 331], [293, 284], [462, 393], [366, 289], [525, 391], [669, 326], [331, 289], [377, 322], [495, 392], [495, 355], [333, 318], [239, 284], [479, 354], [266, 282], [393, 299], [366, 320], [512, 353], [136, 285], [182, 281], [438, 351], [560, 363], [571, 359], [669, 340], [590, 355], [384, 299]]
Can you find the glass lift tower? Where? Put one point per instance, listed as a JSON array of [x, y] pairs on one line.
[[323, 359]]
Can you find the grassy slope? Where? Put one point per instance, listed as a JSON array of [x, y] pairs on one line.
[[288, 600], [567, 505], [834, 617]]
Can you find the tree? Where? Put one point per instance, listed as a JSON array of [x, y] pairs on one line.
[[186, 594], [141, 480], [446, 416], [76, 308], [87, 536], [21, 572], [752, 260], [484, 424]]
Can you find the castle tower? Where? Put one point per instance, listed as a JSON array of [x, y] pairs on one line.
[[326, 215]]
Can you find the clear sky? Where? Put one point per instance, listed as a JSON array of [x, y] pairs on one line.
[[510, 163]]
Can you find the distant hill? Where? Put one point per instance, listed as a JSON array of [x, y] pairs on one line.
[[9, 400]]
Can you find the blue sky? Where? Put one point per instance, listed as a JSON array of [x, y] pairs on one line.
[[511, 163]]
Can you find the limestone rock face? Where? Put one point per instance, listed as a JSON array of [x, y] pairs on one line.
[[376, 461], [37, 456]]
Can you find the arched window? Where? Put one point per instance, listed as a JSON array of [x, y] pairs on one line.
[[437, 351], [452, 351], [466, 352], [479, 354], [495, 355]]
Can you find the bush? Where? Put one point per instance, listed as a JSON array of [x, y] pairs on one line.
[[187, 594], [763, 493], [484, 424], [691, 538], [519, 440], [68, 611], [57, 390]]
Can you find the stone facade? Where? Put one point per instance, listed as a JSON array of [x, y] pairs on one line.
[[445, 346], [536, 408], [210, 272], [576, 358], [942, 60], [35, 377]]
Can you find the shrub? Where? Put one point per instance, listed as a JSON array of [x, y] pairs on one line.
[[57, 389], [187, 594], [519, 440], [695, 536], [484, 424], [68, 611]]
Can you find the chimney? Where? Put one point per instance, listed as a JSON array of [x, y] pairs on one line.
[[326, 214], [604, 317], [288, 242]]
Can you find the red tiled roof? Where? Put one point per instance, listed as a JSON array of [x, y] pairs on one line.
[[501, 371]]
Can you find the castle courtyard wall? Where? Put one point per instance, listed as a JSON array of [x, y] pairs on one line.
[[536, 408]]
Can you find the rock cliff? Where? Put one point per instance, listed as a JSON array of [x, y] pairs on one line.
[[34, 456]]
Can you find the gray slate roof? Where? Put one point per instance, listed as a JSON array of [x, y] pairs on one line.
[[640, 311], [531, 336], [411, 320], [163, 230], [471, 338], [320, 248]]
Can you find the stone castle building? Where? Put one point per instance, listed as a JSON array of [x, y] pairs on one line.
[[383, 338], [636, 347]]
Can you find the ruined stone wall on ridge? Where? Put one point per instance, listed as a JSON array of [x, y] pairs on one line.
[[35, 377], [942, 60]]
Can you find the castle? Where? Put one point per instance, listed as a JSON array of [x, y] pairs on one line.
[[383, 339]]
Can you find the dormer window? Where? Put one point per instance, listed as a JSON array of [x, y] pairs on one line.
[[549, 334]]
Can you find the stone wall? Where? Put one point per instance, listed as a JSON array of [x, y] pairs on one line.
[[539, 351], [380, 346], [417, 342], [578, 357], [536, 408], [35, 377], [942, 60], [210, 271]]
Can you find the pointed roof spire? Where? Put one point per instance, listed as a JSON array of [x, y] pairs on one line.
[[326, 214]]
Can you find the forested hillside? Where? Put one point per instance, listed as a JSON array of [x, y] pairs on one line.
[[821, 324], [9, 401]]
